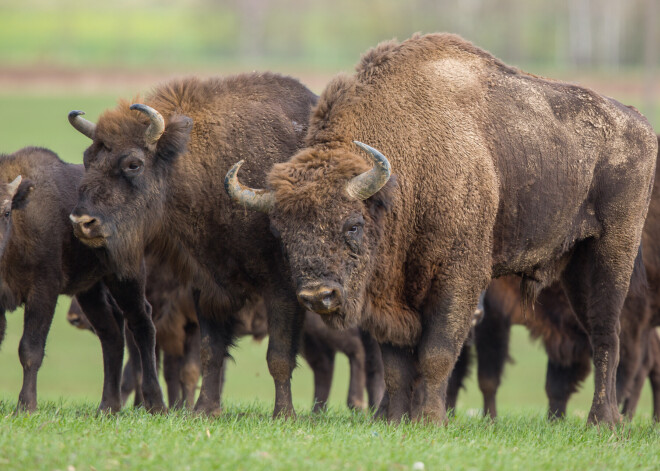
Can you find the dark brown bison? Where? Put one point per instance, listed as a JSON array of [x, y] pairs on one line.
[[174, 316], [154, 176], [41, 259], [497, 172]]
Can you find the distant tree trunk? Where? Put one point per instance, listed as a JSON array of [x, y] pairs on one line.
[[579, 30], [252, 36], [513, 33], [612, 15], [650, 95]]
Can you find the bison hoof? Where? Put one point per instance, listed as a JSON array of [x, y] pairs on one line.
[[157, 409], [356, 404], [284, 413], [23, 409], [109, 407], [604, 415], [432, 417], [25, 406], [208, 410]]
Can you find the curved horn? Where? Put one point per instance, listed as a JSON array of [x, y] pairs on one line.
[[13, 186], [258, 200], [81, 124], [368, 183], [157, 126]]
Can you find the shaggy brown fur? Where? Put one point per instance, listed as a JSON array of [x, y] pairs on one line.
[[176, 203], [497, 172], [42, 259]]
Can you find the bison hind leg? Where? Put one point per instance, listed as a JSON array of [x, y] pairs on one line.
[[596, 281]]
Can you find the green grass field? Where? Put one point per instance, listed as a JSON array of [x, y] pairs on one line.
[[66, 433], [68, 436]]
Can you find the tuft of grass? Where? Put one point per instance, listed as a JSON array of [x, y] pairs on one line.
[[65, 435]]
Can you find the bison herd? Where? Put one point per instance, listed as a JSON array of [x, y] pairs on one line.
[[369, 220]]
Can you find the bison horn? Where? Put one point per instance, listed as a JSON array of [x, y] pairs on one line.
[[81, 124], [258, 200], [157, 126], [368, 183], [13, 186]]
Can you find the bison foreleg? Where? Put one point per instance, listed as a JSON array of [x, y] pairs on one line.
[[321, 359], [375, 372], [129, 295], [108, 326], [190, 371], [217, 333], [562, 381], [131, 379], [458, 374], [491, 338], [447, 318], [285, 325], [400, 374], [38, 316]]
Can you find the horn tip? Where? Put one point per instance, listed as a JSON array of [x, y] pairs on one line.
[[74, 113]]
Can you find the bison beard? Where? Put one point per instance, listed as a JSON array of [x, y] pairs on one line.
[[498, 172]]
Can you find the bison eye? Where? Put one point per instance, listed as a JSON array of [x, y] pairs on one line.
[[7, 214], [353, 226], [132, 167]]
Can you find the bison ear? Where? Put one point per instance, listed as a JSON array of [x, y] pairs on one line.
[[174, 140], [22, 194], [382, 201]]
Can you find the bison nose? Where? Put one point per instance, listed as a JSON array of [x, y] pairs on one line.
[[322, 299], [85, 225]]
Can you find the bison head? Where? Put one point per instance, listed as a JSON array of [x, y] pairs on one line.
[[121, 196], [326, 207], [12, 196]]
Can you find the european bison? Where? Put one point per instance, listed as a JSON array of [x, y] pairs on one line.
[[497, 172], [154, 176], [41, 258]]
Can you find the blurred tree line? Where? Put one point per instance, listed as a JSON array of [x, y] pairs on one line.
[[320, 33]]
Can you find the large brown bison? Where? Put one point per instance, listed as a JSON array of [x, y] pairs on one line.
[[154, 176], [41, 258], [497, 172]]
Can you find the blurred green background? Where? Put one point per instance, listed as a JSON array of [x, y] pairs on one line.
[[70, 54]]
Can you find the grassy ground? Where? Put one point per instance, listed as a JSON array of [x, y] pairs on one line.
[[67, 436]]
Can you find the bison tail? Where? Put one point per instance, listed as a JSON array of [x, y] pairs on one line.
[[3, 325]]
